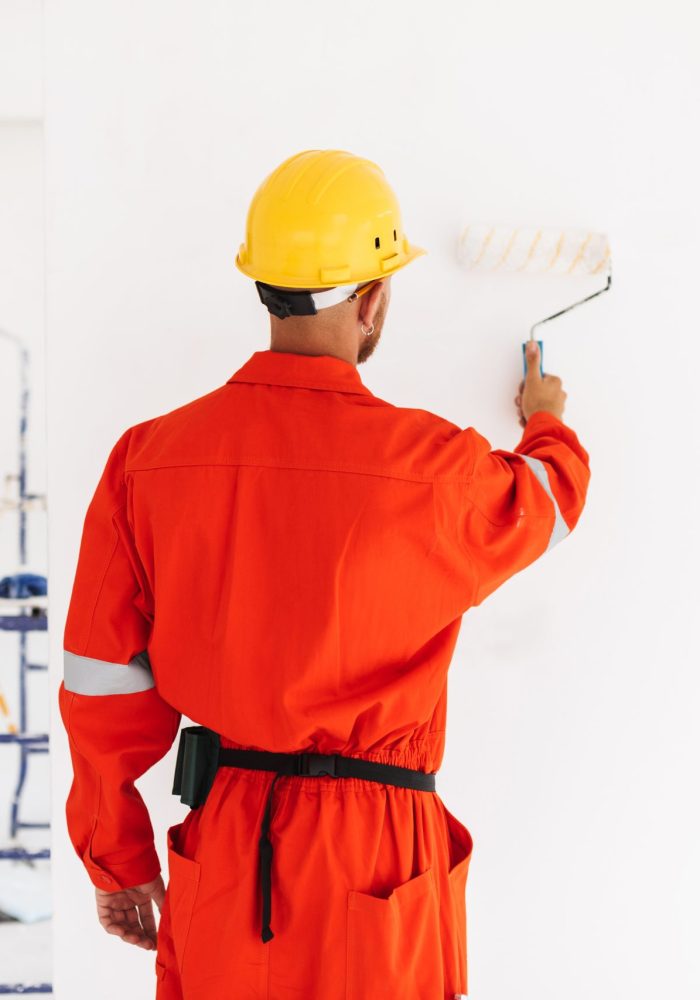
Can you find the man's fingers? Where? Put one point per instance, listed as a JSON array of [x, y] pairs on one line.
[[130, 934], [119, 922], [112, 927], [148, 920], [131, 919], [140, 940], [159, 895], [128, 915], [532, 357]]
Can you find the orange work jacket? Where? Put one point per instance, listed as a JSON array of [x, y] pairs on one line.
[[286, 560]]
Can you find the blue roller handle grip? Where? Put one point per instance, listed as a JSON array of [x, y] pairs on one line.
[[541, 357]]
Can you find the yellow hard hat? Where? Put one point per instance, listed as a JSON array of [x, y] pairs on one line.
[[324, 218]]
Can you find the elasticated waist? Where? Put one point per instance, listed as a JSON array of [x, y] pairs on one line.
[[200, 755]]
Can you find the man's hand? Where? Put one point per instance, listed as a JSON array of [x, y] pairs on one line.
[[128, 913], [537, 392]]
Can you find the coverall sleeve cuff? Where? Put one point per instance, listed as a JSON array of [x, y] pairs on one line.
[[124, 875]]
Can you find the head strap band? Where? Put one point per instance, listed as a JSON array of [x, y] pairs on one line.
[[283, 302]]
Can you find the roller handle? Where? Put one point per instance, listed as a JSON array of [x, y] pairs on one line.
[[541, 358]]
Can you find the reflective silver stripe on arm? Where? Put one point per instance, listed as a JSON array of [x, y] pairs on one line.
[[84, 675], [561, 528]]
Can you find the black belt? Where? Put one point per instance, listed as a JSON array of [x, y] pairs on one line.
[[200, 755]]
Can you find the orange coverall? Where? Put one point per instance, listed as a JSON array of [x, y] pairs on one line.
[[287, 560]]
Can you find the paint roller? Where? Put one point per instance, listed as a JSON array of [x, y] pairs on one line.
[[554, 251]]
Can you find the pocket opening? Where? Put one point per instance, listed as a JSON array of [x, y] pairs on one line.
[[183, 884], [414, 888]]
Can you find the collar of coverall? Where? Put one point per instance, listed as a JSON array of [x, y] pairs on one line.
[[307, 371]]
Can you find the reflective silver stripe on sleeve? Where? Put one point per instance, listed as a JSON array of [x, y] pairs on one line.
[[85, 675], [561, 528]]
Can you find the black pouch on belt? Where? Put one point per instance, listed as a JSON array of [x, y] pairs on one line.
[[196, 765]]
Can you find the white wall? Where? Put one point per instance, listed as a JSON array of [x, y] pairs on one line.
[[21, 54], [572, 742]]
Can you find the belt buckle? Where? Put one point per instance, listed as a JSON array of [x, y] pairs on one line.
[[317, 764]]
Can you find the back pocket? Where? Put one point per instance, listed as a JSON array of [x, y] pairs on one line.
[[183, 883], [393, 942]]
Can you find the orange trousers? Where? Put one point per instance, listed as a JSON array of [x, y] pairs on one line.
[[339, 933]]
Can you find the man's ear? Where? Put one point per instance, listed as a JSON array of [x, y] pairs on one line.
[[369, 304]]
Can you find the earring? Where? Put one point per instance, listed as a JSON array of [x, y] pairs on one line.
[[367, 333]]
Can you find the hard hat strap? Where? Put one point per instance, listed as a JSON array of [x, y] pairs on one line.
[[283, 302]]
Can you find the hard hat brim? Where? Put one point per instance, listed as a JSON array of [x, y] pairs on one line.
[[389, 267]]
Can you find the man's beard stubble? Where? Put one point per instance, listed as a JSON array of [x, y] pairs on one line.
[[369, 343]]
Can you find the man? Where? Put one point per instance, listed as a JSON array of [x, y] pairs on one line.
[[286, 561]]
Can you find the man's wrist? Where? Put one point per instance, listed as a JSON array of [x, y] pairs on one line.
[[543, 414]]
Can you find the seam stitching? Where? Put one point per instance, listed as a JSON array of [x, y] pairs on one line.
[[108, 563], [364, 391], [257, 463]]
